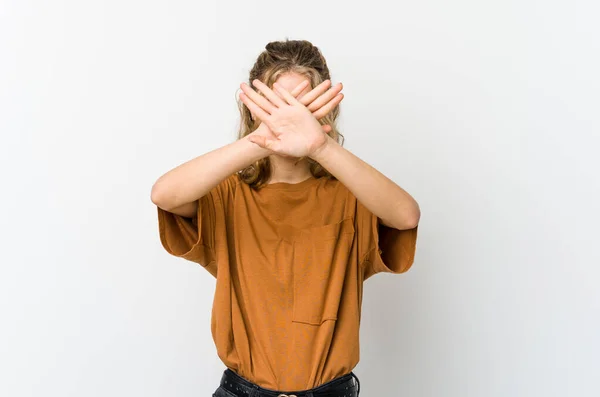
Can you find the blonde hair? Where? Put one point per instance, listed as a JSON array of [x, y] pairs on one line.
[[280, 57]]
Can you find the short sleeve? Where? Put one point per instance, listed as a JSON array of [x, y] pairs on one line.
[[194, 239], [382, 248]]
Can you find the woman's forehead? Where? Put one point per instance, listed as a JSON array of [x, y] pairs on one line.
[[289, 81]]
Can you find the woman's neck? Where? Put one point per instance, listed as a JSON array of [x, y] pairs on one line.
[[289, 169]]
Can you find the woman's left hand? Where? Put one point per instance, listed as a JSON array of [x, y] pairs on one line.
[[298, 133]]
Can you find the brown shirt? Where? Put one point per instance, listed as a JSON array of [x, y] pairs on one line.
[[289, 262]]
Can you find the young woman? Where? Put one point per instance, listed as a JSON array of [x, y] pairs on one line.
[[290, 224]]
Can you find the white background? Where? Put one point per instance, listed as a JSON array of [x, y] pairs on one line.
[[485, 111]]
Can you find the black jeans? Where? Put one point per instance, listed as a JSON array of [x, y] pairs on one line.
[[233, 385]]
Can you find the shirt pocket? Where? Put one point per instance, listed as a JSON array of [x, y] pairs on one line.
[[320, 261]]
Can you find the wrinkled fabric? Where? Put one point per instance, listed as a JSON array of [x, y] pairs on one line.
[[289, 261]]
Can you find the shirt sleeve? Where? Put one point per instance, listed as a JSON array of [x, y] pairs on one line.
[[382, 248], [195, 239]]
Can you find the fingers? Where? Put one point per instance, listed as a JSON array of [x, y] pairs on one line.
[[271, 96], [315, 92], [265, 143], [325, 98], [299, 88], [320, 100], [328, 107], [257, 98], [259, 140], [254, 108], [290, 99]]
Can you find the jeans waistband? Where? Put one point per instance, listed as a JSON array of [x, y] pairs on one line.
[[347, 385]]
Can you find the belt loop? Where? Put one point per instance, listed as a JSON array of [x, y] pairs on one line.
[[310, 394], [254, 392]]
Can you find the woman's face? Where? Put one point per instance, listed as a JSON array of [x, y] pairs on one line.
[[289, 81]]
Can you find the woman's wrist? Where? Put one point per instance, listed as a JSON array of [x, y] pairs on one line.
[[319, 154]]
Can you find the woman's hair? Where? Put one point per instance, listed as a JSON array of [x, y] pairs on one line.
[[280, 57]]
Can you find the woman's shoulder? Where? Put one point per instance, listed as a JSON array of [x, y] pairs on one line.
[[227, 187]]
